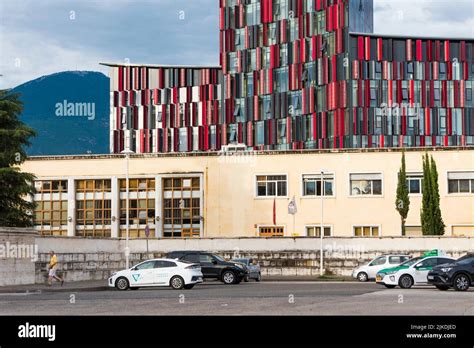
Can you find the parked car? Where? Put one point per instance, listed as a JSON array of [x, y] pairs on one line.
[[253, 268], [158, 272], [411, 272], [213, 266], [368, 271], [458, 274]]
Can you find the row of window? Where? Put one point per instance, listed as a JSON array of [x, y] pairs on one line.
[[360, 184], [315, 231]]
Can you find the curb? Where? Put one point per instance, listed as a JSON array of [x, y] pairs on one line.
[[52, 290]]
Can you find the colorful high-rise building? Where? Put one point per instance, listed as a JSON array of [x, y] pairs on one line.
[[300, 74]]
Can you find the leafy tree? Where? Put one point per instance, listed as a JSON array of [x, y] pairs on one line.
[[402, 202], [14, 184], [437, 223]]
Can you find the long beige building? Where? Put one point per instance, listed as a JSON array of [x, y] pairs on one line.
[[238, 194]]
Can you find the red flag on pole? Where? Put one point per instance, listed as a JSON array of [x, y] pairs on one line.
[[274, 212]]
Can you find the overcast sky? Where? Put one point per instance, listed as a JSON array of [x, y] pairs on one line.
[[40, 37]]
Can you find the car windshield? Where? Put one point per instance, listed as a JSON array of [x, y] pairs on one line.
[[218, 258], [411, 261]]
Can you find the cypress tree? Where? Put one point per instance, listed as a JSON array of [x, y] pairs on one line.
[[437, 222], [402, 202], [426, 211]]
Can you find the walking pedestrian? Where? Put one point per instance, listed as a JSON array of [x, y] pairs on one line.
[[53, 266]]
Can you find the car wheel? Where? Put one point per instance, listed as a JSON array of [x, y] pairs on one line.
[[442, 287], [406, 281], [122, 284], [259, 277], [461, 282], [362, 277], [177, 283], [246, 278], [389, 286], [189, 286], [228, 277]]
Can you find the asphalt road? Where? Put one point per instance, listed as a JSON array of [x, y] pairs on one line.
[[265, 298]]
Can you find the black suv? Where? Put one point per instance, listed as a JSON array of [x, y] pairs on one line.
[[458, 275], [213, 266]]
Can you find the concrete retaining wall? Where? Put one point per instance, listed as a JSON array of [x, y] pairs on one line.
[[17, 256], [91, 259]]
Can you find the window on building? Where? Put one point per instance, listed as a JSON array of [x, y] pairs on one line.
[[240, 39], [253, 14], [315, 231], [93, 208], [280, 10], [181, 207], [461, 182], [271, 231], [414, 183], [51, 207], [366, 231], [312, 185], [366, 184], [98, 185], [281, 79], [51, 186], [137, 185], [141, 212], [271, 186]]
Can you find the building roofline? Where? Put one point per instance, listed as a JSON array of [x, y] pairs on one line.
[[353, 33], [162, 65], [256, 153]]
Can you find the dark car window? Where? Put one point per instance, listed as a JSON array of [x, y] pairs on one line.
[[205, 258], [428, 263], [443, 260], [395, 260], [146, 265], [164, 264], [194, 257], [466, 261]]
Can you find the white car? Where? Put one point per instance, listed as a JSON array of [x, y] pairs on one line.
[[158, 272], [368, 271], [411, 272]]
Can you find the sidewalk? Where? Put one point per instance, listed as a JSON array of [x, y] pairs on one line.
[[90, 285], [101, 285]]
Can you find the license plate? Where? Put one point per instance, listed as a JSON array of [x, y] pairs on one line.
[[378, 278], [430, 277]]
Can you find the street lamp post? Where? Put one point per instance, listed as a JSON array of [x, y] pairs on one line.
[[127, 209], [321, 228]]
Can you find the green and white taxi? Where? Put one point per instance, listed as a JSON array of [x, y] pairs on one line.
[[412, 272]]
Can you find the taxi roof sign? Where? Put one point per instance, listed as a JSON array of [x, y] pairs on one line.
[[434, 252]]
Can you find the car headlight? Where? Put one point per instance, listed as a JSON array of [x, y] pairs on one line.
[[390, 272], [446, 269], [239, 265], [113, 274]]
